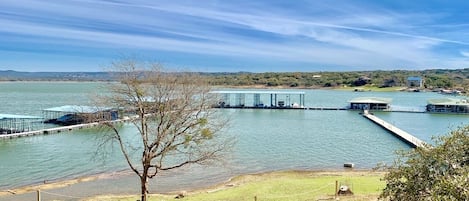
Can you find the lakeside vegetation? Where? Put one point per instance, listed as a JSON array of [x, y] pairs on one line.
[[433, 79], [286, 185]]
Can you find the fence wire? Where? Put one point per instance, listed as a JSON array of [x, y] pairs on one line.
[[61, 195], [294, 195]]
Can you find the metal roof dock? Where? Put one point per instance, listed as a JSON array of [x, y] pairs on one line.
[[448, 105], [15, 116], [268, 99], [12, 123], [76, 114], [448, 101], [77, 109], [257, 92], [376, 100], [370, 103]]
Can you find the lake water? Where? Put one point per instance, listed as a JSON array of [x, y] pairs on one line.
[[266, 139]]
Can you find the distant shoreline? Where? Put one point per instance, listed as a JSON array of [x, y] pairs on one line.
[[431, 78], [258, 87], [56, 81]]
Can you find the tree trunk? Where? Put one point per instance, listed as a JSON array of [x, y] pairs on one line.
[[143, 185]]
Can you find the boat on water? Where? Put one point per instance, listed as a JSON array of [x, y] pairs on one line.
[[450, 92]]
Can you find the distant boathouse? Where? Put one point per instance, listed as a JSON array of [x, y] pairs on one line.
[[260, 99], [11, 123], [448, 105], [370, 103], [78, 114]]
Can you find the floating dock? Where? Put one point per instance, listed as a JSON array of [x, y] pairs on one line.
[[404, 136], [60, 129], [49, 130], [262, 99]]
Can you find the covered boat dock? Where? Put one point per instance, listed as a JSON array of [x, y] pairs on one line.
[[78, 114], [370, 103], [11, 123], [448, 105], [261, 99]]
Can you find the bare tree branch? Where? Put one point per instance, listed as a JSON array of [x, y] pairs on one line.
[[122, 147], [174, 122]]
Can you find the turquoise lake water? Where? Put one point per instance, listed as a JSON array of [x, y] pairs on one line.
[[267, 140]]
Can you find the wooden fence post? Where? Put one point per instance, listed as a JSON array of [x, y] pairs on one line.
[[336, 189], [38, 195]]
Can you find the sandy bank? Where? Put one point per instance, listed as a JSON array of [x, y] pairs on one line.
[[48, 185], [210, 188]]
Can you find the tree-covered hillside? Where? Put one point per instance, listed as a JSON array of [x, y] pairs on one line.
[[433, 79], [439, 78]]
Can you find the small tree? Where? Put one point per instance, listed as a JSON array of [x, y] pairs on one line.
[[174, 122], [440, 172]]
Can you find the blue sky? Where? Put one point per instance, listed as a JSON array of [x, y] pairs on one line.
[[238, 35]]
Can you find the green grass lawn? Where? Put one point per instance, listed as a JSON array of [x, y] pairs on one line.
[[284, 186]]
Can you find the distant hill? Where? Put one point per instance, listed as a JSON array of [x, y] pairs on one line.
[[433, 78], [10, 75]]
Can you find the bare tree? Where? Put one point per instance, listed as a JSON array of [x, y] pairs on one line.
[[173, 116]]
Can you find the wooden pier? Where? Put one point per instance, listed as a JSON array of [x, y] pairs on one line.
[[404, 136]]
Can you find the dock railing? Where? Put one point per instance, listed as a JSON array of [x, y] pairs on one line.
[[60, 129]]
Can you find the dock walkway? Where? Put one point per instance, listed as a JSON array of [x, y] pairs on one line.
[[59, 129], [48, 130], [404, 136]]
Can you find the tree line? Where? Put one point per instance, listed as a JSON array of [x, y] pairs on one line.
[[437, 78]]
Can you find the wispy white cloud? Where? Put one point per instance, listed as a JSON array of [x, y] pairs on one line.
[[313, 34], [465, 53]]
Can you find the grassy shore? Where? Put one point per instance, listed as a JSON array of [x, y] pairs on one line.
[[285, 186]]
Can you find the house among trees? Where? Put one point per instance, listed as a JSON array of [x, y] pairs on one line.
[[414, 82]]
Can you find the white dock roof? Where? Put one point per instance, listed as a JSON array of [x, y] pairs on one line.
[[448, 101], [371, 100], [77, 109], [258, 92], [14, 116]]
